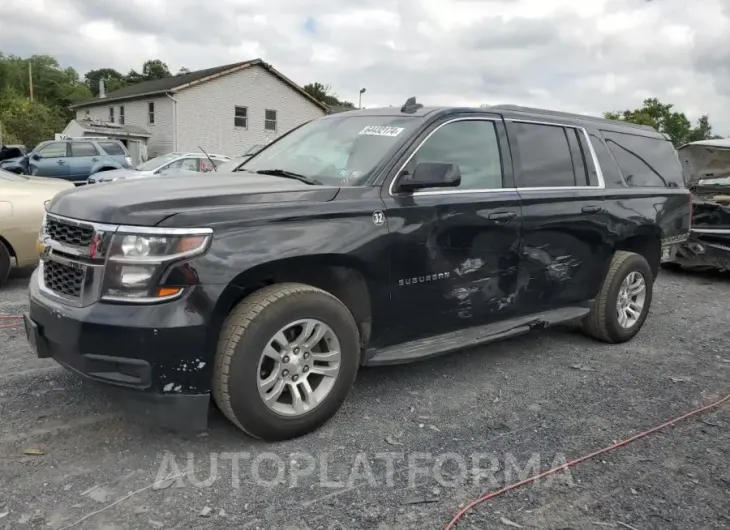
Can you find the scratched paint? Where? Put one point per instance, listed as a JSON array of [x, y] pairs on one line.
[[469, 266], [561, 269]]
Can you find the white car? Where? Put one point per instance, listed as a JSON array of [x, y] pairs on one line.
[[163, 165]]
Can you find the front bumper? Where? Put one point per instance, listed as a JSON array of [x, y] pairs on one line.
[[153, 358]]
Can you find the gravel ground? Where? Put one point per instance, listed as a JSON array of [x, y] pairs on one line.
[[407, 448]]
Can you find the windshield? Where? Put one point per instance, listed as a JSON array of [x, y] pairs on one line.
[[230, 166], [154, 163], [253, 150], [13, 177], [340, 151]]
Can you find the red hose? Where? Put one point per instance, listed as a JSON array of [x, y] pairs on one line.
[[11, 317], [572, 463]]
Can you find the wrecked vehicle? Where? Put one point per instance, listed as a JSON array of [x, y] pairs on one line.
[[432, 230], [707, 171]]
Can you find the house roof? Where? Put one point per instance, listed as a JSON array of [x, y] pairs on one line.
[[112, 129], [181, 81]]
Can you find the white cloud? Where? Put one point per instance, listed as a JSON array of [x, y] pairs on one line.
[[577, 55]]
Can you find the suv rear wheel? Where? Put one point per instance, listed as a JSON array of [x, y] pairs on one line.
[[286, 359], [623, 303]]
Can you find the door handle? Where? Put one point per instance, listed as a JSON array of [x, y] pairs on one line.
[[502, 216], [60, 162], [591, 209]]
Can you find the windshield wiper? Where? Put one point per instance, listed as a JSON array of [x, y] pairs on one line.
[[289, 175]]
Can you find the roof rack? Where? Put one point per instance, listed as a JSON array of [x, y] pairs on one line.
[[560, 114]]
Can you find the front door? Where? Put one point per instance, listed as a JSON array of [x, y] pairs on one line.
[[455, 251], [565, 230], [83, 158], [53, 161]]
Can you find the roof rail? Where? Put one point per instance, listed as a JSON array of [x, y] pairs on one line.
[[560, 114]]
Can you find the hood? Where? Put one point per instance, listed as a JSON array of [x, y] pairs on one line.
[[39, 188], [706, 159], [147, 202], [114, 174]]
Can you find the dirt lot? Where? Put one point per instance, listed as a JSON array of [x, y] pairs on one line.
[[400, 454]]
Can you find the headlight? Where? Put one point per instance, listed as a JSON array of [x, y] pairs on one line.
[[128, 160], [137, 263]]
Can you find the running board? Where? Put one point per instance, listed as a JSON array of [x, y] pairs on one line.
[[459, 340]]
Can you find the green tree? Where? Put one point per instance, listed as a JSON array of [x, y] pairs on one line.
[[324, 94], [28, 122], [113, 80], [664, 119]]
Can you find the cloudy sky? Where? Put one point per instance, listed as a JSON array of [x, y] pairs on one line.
[[577, 55]]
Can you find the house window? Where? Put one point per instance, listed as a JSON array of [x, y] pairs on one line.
[[151, 113], [121, 115], [111, 114], [88, 114], [270, 120], [240, 117]]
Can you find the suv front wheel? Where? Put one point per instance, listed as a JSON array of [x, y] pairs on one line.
[[623, 303], [286, 359]]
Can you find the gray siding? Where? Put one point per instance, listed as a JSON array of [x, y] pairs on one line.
[[205, 112], [135, 113]]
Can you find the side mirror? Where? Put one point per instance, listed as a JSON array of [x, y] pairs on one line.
[[430, 175], [35, 156]]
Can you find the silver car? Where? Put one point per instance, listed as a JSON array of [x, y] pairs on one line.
[[168, 164]]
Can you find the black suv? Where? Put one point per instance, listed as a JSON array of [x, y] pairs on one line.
[[363, 238]]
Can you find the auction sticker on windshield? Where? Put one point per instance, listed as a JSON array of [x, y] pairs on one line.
[[381, 130]]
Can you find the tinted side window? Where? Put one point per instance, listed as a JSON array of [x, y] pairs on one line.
[[53, 150], [472, 145], [112, 148], [644, 161], [608, 166], [545, 156], [83, 149]]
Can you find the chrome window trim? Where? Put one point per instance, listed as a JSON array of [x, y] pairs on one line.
[[711, 230], [599, 173], [441, 192]]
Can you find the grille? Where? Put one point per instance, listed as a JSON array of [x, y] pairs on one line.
[[77, 236], [63, 279]]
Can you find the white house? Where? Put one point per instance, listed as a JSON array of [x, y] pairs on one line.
[[225, 110]]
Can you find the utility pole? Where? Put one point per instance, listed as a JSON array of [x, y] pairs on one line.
[[30, 78], [359, 103]]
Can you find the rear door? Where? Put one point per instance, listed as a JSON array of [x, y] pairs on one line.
[[455, 251], [83, 157], [565, 231], [54, 161]]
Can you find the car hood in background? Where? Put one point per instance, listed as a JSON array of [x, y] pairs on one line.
[[147, 202], [706, 159], [114, 174]]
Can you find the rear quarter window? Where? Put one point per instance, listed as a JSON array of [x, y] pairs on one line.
[[112, 148], [644, 161]]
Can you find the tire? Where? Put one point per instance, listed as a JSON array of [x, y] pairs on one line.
[[602, 322], [239, 362], [4, 263]]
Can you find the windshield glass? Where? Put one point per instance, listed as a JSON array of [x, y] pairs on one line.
[[339, 151], [7, 175], [230, 166], [154, 163], [253, 150]]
